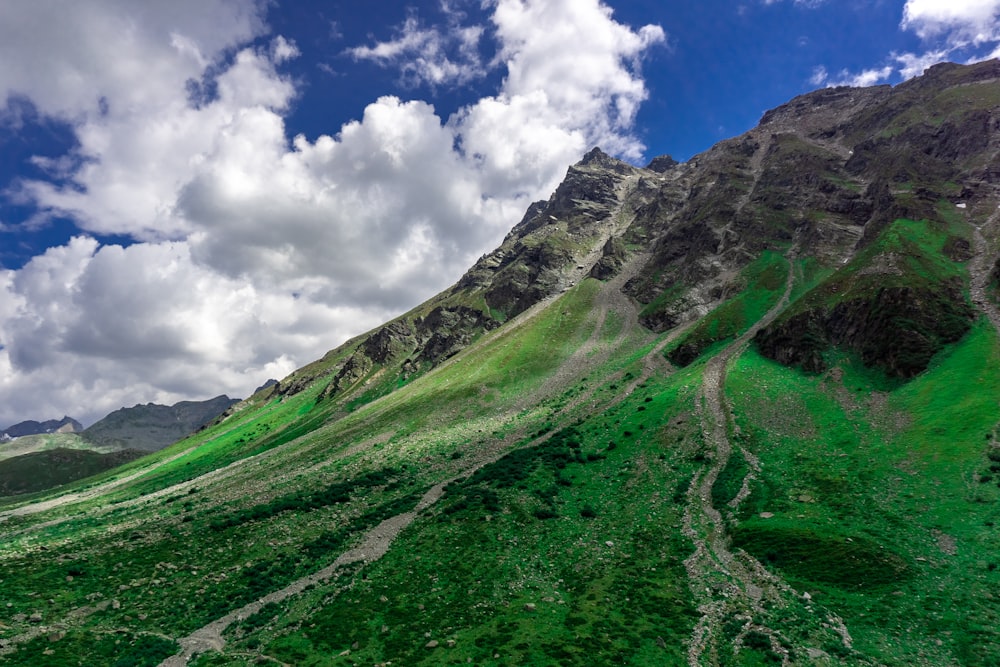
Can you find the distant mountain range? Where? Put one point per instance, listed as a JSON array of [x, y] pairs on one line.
[[30, 427], [35, 456], [151, 427]]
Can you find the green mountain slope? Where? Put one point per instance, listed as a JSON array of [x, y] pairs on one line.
[[738, 411], [46, 469], [34, 463]]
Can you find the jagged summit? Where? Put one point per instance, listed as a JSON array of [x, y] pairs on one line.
[[662, 164], [597, 158], [821, 174]]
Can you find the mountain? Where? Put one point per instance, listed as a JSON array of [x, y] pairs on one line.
[[151, 427], [64, 425], [54, 453], [42, 470], [735, 411]]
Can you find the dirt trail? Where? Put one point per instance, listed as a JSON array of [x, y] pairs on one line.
[[374, 545], [728, 584], [980, 267], [610, 300]]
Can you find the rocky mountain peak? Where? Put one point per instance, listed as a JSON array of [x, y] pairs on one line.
[[662, 164], [30, 427], [823, 174], [597, 158], [151, 427]]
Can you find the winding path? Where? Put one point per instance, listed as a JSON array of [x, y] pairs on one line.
[[377, 541], [979, 271], [730, 584], [374, 545]]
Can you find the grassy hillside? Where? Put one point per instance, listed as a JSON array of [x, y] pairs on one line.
[[551, 464], [801, 468], [47, 469]]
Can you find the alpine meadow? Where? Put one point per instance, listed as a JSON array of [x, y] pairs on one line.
[[736, 411]]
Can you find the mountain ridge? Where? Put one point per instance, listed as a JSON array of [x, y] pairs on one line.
[[50, 454], [30, 427], [734, 411]]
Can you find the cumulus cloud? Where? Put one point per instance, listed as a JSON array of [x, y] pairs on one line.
[[66, 56], [101, 326], [256, 252], [911, 65], [960, 21], [957, 29], [571, 77]]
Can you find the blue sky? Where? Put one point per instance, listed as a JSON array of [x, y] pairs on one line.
[[196, 196]]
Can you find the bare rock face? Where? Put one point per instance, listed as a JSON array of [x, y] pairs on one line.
[[613, 256], [556, 244], [662, 164], [897, 329], [448, 330], [387, 341], [828, 174]]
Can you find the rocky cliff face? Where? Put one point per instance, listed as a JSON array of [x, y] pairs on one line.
[[577, 232], [824, 177], [552, 438], [821, 177]]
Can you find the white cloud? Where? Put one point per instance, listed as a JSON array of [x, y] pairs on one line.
[[865, 78], [66, 56], [966, 30], [820, 76], [571, 66], [868, 77], [258, 254], [283, 49], [88, 329], [912, 65], [429, 55], [960, 21]]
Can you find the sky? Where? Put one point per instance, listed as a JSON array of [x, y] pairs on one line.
[[199, 195]]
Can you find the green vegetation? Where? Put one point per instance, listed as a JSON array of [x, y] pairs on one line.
[[61, 649], [881, 503], [763, 284], [553, 492], [896, 304], [51, 468]]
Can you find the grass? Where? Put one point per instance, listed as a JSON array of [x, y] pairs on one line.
[[48, 469], [559, 538], [895, 305], [763, 284], [515, 596], [876, 508]]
